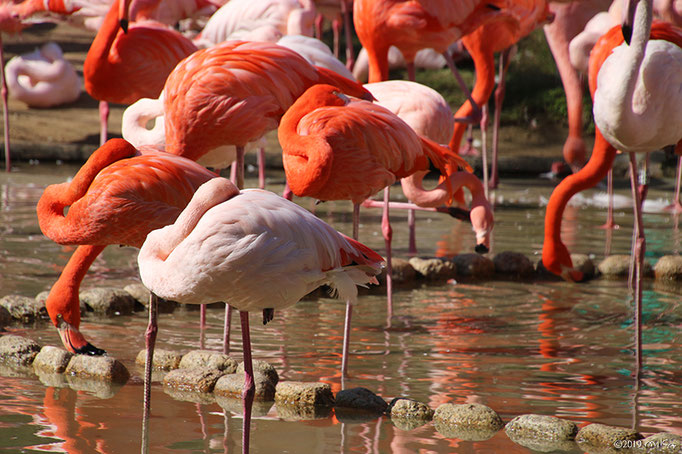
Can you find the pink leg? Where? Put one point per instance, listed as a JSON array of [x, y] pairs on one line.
[[261, 167], [347, 25], [202, 326], [412, 229], [336, 29], [676, 206], [150, 341], [346, 342], [249, 385], [5, 109], [499, 98], [239, 163], [475, 117], [226, 329], [103, 121], [610, 223], [319, 20], [411, 75], [388, 236], [484, 148], [356, 220], [638, 253]]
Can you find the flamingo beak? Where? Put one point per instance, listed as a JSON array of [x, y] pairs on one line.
[[75, 342]]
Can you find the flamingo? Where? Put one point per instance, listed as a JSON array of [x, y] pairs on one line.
[[232, 94], [43, 78], [335, 148], [515, 21], [622, 101], [125, 63], [227, 243], [429, 115], [411, 25], [117, 197]]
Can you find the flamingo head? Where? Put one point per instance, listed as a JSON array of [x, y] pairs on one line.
[[575, 153], [557, 259], [482, 222], [60, 308]]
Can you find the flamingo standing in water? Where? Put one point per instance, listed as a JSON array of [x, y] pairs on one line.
[[335, 148], [227, 243], [126, 63], [636, 107], [429, 115], [117, 197]]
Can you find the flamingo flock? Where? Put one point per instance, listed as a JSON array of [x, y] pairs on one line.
[[255, 68]]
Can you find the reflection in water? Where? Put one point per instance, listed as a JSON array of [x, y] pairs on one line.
[[535, 347]]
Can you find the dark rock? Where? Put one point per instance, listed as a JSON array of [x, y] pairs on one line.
[[17, 350], [361, 399], [403, 272], [108, 301], [52, 359], [23, 308], [197, 379], [474, 422], [232, 385], [209, 359], [163, 359], [5, 317], [474, 266], [513, 265], [262, 367], [103, 368], [433, 269]]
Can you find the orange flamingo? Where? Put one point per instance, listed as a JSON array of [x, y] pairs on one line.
[[555, 255], [117, 197], [231, 94], [411, 25], [126, 63], [335, 148], [227, 243], [515, 21]]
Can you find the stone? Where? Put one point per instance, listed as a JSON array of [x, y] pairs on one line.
[[5, 317], [361, 399], [433, 269], [197, 380], [542, 433], [98, 388], [232, 385], [17, 350], [669, 267], [660, 443], [403, 272], [408, 414], [103, 368], [474, 266], [209, 359], [617, 266], [264, 368], [473, 422], [513, 265], [23, 308], [52, 359], [141, 295], [163, 359], [584, 264], [51, 379], [302, 394], [600, 436], [108, 301]]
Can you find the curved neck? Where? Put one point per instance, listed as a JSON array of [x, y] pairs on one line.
[[56, 197], [63, 298], [97, 59], [594, 171], [441, 194]]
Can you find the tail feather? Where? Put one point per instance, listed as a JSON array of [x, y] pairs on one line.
[[361, 255], [344, 282]]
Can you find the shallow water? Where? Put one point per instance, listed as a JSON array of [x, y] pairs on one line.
[[544, 347]]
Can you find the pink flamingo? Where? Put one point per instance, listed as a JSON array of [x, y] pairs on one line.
[[125, 63], [117, 197], [228, 242]]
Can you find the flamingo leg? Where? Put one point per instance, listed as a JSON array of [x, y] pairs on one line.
[[388, 237], [239, 163], [202, 326], [610, 223], [261, 167], [475, 116], [150, 341], [5, 110], [227, 329], [411, 221], [676, 206], [638, 252], [499, 98], [103, 122], [411, 74], [249, 390], [484, 148], [336, 28], [347, 25], [346, 342]]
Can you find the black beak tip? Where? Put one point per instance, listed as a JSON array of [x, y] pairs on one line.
[[627, 33], [481, 249], [124, 25], [91, 350]]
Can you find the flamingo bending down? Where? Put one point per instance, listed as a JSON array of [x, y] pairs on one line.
[[126, 63], [429, 115], [117, 197], [232, 94], [228, 242], [636, 92], [43, 78], [337, 148]]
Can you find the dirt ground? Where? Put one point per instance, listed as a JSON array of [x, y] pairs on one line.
[[71, 132]]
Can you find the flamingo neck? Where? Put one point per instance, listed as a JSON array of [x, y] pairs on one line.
[[63, 299], [97, 60], [441, 194]]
